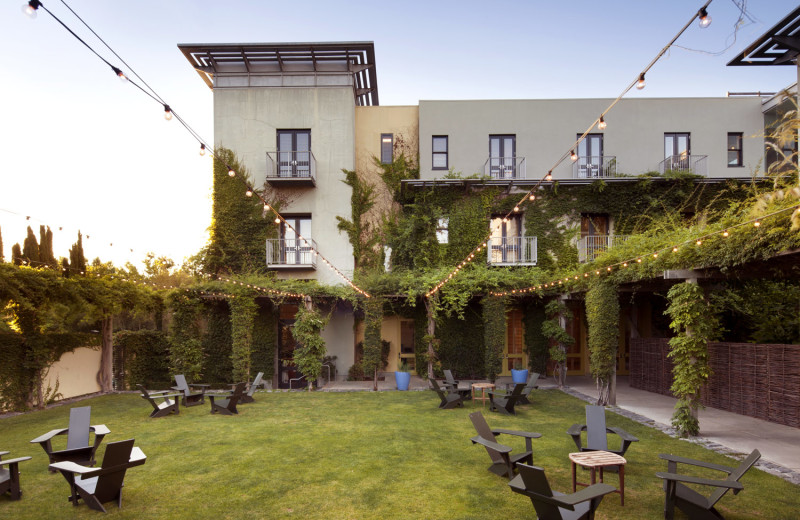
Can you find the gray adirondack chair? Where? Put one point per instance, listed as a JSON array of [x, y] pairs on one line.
[[78, 448], [695, 505], [247, 397], [503, 402], [190, 396], [226, 403], [169, 402], [450, 398], [9, 478], [596, 434], [503, 462], [96, 486], [552, 505]]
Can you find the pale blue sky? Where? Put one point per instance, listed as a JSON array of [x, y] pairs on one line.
[[84, 150]]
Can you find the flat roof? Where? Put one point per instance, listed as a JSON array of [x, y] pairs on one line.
[[778, 46], [320, 58]]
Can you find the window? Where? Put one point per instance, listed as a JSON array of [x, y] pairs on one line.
[[387, 148], [294, 153], [296, 245], [590, 156], [440, 151], [735, 149], [441, 230], [677, 151], [503, 156], [505, 239]]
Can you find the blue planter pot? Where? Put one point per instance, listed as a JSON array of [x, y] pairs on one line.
[[402, 379], [519, 376]]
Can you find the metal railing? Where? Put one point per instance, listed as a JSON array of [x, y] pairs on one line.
[[696, 164], [291, 252], [592, 166], [591, 246], [511, 251], [291, 165], [504, 167]]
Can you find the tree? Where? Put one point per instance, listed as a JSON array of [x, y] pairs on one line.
[[30, 249], [602, 319], [46, 256], [2, 258], [16, 254], [310, 350], [552, 328], [76, 259]]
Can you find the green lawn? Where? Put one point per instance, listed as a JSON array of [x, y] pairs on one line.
[[346, 456]]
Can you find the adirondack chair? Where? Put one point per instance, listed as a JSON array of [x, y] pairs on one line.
[[190, 396], [531, 385], [596, 431], [552, 505], [450, 398], [503, 402], [247, 397], [78, 448], [226, 403], [503, 462], [9, 478], [695, 505], [166, 407], [96, 486], [450, 382]]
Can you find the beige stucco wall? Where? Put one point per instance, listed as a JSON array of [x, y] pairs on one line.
[[371, 122], [390, 331], [547, 128], [76, 372]]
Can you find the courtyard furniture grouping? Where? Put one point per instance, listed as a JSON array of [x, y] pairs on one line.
[[598, 460], [596, 432], [78, 449]]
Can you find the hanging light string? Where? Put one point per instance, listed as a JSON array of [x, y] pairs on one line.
[[169, 113], [639, 83], [697, 241]]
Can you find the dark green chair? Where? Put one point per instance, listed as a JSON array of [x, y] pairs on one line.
[[226, 403], [78, 448], [503, 461], [9, 478], [552, 505], [450, 398], [505, 402], [166, 407], [597, 434], [695, 505]]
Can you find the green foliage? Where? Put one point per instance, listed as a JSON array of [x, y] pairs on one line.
[[262, 354], [30, 249], [695, 324], [16, 255], [602, 318], [460, 348], [557, 337], [400, 168], [77, 261], [536, 342], [186, 352], [373, 317], [362, 237], [494, 333], [145, 356], [46, 256], [310, 350], [243, 313], [217, 343], [766, 311]]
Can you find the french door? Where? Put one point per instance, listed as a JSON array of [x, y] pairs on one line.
[[294, 153]]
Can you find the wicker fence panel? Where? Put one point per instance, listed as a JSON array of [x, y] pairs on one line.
[[761, 381]]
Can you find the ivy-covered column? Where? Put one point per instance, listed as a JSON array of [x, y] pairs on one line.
[[553, 328], [695, 324], [431, 305], [186, 351], [373, 317], [310, 350], [602, 318], [243, 313], [494, 334]]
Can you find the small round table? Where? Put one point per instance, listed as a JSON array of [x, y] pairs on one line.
[[599, 459], [482, 387]]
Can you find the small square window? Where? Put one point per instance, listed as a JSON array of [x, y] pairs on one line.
[[387, 148], [441, 230], [440, 152], [734, 150]]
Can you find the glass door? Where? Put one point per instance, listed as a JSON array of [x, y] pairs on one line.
[[505, 240], [590, 156], [296, 235], [502, 156], [294, 153], [515, 340], [677, 149]]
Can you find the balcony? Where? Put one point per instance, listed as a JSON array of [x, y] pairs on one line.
[[504, 167], [291, 253], [694, 164], [589, 247], [594, 166], [511, 251], [296, 168]]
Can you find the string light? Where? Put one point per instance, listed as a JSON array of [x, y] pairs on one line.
[[602, 124], [573, 156], [202, 149], [549, 176], [249, 192], [231, 173], [725, 233], [531, 197], [121, 75], [167, 113], [757, 223], [641, 83], [705, 20], [30, 9]]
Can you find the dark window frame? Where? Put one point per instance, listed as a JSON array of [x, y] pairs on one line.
[[739, 151], [445, 153], [387, 155]]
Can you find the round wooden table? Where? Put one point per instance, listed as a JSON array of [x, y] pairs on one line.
[[482, 387], [598, 459]]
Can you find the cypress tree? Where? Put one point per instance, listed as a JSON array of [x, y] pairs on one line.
[[2, 258], [65, 267], [46, 255], [76, 258], [30, 249], [16, 254]]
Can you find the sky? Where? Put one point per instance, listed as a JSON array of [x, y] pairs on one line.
[[86, 151]]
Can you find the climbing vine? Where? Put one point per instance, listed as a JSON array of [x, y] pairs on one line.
[[555, 311], [363, 238], [243, 313], [217, 342], [262, 355], [373, 316], [186, 352], [602, 318], [310, 350], [494, 333]]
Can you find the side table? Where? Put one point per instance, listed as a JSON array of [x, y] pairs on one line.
[[598, 459], [482, 387]]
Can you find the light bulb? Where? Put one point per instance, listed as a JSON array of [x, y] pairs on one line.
[[757, 223], [167, 113], [278, 221], [725, 233], [121, 75], [202, 149], [705, 20], [266, 206], [602, 124], [532, 197], [640, 84], [30, 9], [516, 208], [249, 193], [573, 156], [675, 249], [231, 173], [548, 177]]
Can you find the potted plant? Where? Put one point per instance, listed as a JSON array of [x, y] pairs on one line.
[[519, 374], [402, 377]]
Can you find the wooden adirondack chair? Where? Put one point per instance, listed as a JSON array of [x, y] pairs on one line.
[[552, 505], [503, 462], [166, 407], [226, 403], [9, 478], [526, 392], [596, 433], [503, 402], [190, 396], [450, 398], [695, 505], [451, 383], [251, 388], [97, 486], [78, 448]]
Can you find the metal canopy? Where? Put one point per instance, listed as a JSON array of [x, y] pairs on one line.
[[778, 46], [289, 59]]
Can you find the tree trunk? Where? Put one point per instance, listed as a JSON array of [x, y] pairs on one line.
[[431, 331], [105, 374]]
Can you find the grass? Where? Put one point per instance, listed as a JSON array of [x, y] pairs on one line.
[[350, 456]]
